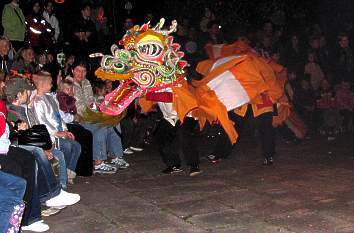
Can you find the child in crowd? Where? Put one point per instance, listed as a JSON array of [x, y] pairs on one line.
[[330, 122], [99, 92], [68, 111], [47, 111], [304, 101], [292, 85], [345, 103], [314, 70], [108, 86], [66, 100]]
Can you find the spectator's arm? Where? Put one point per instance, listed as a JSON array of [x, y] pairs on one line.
[[3, 114], [67, 117], [87, 88], [2, 123], [39, 109], [54, 96], [56, 28]]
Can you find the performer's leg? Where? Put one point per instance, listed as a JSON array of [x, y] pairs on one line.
[[239, 121], [189, 138], [267, 136], [223, 145], [168, 145]]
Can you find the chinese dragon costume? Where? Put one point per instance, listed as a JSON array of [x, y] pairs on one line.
[[150, 63]]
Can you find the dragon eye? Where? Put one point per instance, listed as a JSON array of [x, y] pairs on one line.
[[107, 61], [150, 49], [119, 67]]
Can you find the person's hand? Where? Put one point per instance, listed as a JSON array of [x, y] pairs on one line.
[[49, 154], [22, 126], [70, 135], [61, 134], [65, 134]]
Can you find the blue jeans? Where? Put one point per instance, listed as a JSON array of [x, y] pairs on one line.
[[63, 174], [71, 150], [114, 142], [21, 162], [12, 189], [105, 140], [48, 186]]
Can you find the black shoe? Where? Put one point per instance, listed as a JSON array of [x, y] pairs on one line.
[[268, 161], [213, 159], [194, 171], [172, 169]]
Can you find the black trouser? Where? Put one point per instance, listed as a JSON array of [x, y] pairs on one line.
[[265, 128], [216, 141], [20, 162], [133, 133], [263, 123], [84, 165], [180, 138]]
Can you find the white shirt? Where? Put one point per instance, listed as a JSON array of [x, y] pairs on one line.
[[167, 110], [53, 21]]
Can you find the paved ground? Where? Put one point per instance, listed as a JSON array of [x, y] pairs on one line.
[[310, 189]]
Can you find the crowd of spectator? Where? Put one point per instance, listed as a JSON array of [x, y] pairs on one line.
[[34, 48], [43, 85]]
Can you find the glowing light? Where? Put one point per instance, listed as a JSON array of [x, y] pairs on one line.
[[35, 31]]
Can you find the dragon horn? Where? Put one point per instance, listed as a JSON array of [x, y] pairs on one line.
[[173, 28], [159, 25], [93, 55], [114, 47]]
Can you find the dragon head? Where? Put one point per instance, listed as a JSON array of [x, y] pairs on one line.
[[149, 61]]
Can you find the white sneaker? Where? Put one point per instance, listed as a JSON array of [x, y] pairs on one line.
[[64, 198], [38, 226], [104, 168], [136, 148], [128, 151], [50, 211], [120, 163]]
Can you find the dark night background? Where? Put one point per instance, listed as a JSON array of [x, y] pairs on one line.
[[331, 15]]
